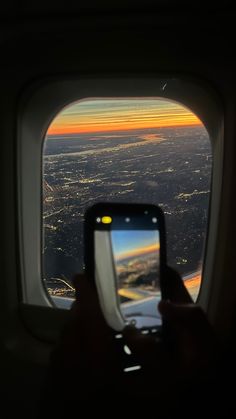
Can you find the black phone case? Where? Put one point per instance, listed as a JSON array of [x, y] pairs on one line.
[[120, 209]]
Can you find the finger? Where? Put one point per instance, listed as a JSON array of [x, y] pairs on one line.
[[174, 288], [80, 284], [178, 311], [85, 292], [186, 316], [87, 302]]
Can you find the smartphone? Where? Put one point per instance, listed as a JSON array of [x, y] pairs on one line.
[[125, 257]]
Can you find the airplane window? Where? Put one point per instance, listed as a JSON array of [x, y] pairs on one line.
[[150, 150]]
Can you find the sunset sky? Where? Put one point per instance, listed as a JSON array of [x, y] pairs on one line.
[[193, 283], [133, 243], [104, 115]]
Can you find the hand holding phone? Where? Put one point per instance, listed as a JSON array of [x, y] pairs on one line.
[[125, 257]]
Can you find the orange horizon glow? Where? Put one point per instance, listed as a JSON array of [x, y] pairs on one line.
[[139, 252], [106, 115], [57, 130], [193, 282]]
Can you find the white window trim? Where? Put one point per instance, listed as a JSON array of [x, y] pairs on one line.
[[42, 101]]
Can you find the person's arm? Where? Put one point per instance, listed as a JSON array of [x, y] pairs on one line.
[[89, 365]]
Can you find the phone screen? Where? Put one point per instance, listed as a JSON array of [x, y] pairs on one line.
[[127, 250]]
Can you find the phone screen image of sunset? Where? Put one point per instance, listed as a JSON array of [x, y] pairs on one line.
[[136, 150], [136, 261]]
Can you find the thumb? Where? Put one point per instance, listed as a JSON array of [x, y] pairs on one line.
[[174, 288], [188, 315]]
